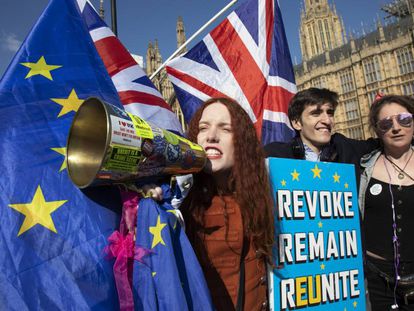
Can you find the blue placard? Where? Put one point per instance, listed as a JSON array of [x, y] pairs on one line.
[[318, 253]]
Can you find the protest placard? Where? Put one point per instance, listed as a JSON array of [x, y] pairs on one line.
[[318, 253]]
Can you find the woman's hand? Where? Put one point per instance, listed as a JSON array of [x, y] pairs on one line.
[[153, 191]]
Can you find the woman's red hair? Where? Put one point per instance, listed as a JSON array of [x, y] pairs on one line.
[[248, 180]]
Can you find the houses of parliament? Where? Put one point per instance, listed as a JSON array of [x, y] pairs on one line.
[[357, 68], [154, 60], [378, 62]]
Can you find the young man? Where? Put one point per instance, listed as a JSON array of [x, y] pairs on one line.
[[311, 113]]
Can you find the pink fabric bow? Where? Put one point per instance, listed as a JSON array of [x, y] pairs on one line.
[[129, 211], [122, 248]]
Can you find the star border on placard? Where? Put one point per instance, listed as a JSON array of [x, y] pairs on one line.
[[295, 175], [316, 171]]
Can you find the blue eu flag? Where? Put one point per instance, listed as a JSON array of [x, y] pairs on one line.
[[170, 277], [51, 233]]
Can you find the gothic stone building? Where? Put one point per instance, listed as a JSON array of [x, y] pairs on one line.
[[357, 68], [154, 60], [161, 82]]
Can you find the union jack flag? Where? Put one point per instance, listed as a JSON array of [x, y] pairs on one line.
[[136, 91], [246, 57]]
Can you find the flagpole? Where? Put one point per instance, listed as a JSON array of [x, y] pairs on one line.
[[113, 18], [192, 37]]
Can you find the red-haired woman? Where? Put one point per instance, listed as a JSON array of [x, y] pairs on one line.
[[228, 212]]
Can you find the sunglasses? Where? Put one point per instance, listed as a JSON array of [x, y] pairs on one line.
[[404, 119]]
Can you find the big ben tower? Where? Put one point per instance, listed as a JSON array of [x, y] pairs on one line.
[[321, 29]]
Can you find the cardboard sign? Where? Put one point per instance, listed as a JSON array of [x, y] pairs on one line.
[[318, 254]]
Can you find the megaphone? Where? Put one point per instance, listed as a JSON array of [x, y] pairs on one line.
[[108, 145]]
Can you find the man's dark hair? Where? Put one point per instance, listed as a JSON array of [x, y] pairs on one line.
[[308, 97]]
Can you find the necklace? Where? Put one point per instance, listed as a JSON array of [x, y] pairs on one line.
[[401, 171], [395, 240]]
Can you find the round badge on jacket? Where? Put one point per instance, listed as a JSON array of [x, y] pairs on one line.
[[375, 189]]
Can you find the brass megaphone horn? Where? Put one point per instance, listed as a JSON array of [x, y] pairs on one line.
[[108, 145]]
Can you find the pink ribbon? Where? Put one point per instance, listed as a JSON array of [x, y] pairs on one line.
[[129, 211], [122, 247]]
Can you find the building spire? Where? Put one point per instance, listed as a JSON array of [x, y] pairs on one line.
[[345, 38], [311, 4], [101, 9], [321, 28], [158, 58], [381, 34], [352, 42], [334, 7], [150, 59], [180, 33]]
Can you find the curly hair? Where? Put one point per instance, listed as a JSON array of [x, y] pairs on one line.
[[248, 179], [405, 101]]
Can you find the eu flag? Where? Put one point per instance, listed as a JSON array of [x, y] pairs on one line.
[[51, 233], [170, 277]]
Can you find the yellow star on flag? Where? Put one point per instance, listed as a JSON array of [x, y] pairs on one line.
[[72, 103], [320, 224], [316, 171], [61, 151], [346, 185], [154, 274], [40, 68], [175, 212], [336, 177], [156, 232], [37, 212], [295, 175], [283, 182], [322, 266]]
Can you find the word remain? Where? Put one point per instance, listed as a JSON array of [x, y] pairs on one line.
[[292, 204], [322, 288], [302, 247]]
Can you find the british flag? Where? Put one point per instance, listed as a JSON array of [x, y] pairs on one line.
[[246, 57], [136, 91]]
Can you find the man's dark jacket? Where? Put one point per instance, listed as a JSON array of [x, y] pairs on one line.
[[346, 150]]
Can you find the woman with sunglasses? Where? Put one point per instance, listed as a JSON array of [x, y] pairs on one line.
[[386, 202]]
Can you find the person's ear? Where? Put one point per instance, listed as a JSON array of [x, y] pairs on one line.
[[297, 125]]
